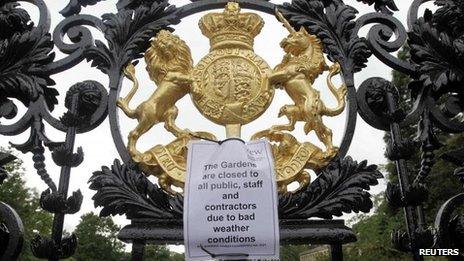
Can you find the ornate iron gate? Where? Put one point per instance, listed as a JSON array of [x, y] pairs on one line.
[[435, 65]]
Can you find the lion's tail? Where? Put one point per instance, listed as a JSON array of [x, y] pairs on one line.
[[123, 103], [339, 93]]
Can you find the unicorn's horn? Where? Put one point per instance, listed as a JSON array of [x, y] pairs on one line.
[[282, 19]]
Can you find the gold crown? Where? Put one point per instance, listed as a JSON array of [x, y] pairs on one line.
[[231, 29]]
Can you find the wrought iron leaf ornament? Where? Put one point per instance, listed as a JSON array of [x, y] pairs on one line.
[[450, 17], [333, 24], [384, 6], [133, 4], [57, 203], [341, 187], [46, 248], [21, 58], [122, 190], [438, 56], [62, 155], [13, 20], [75, 6], [128, 33]]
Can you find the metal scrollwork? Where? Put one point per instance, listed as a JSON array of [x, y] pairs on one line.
[[141, 28], [379, 36], [436, 69], [26, 67]]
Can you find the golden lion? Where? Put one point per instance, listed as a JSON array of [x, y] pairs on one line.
[[169, 64], [302, 64]]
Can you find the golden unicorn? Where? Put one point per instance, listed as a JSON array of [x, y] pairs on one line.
[[169, 64], [302, 64]]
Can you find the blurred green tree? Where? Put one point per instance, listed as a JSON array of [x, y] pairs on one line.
[[97, 239]]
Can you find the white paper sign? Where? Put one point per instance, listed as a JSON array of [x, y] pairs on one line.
[[230, 205]]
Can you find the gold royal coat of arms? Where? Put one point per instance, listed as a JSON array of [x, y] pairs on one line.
[[233, 86]]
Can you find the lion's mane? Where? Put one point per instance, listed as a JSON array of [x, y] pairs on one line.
[[179, 60]]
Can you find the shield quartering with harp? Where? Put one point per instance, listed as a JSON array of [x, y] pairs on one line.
[[232, 86]]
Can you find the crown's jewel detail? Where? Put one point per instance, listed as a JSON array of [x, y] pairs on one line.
[[231, 28]]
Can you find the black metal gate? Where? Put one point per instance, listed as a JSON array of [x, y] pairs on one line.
[[436, 65]]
